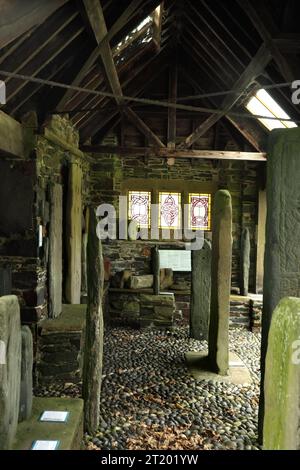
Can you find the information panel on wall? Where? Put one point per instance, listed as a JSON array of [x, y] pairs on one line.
[[177, 260]]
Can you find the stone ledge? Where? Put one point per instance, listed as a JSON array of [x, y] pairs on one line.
[[69, 434], [72, 319]]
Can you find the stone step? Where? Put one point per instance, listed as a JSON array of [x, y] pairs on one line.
[[70, 434]]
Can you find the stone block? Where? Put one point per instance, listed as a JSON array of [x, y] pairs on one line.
[[141, 282]]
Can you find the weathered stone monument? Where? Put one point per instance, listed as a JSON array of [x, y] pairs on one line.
[[219, 365], [74, 234], [245, 261], [282, 250], [218, 352], [55, 251], [26, 374], [10, 369], [93, 346], [282, 379], [201, 286], [155, 269]]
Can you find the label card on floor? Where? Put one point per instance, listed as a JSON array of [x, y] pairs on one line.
[[55, 416], [45, 445]]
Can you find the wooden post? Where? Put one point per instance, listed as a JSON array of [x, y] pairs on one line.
[[93, 347]]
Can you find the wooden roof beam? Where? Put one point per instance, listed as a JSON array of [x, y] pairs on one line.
[[173, 82], [168, 153], [116, 28], [142, 127], [258, 16], [157, 17], [97, 21], [255, 68]]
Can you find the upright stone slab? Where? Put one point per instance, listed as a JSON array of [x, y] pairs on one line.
[[55, 251], [155, 270], [282, 379], [26, 374], [245, 261], [10, 369], [93, 346], [218, 354], [201, 286], [282, 249], [74, 234]]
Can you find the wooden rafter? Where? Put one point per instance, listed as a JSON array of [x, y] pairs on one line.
[[142, 127], [116, 27], [157, 16], [97, 21], [255, 68], [168, 153], [135, 85], [173, 78], [258, 15], [98, 24], [248, 129], [18, 17]]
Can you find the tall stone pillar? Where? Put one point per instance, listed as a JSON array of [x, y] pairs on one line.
[[218, 350], [74, 234], [201, 285], [282, 378], [261, 240], [245, 261], [93, 345], [282, 249], [55, 251], [10, 369]]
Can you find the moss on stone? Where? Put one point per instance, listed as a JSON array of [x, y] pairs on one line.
[[282, 379]]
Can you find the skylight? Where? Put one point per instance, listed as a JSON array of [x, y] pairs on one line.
[[144, 26], [262, 104]]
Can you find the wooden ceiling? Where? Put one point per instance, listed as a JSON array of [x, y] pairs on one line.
[[194, 47]]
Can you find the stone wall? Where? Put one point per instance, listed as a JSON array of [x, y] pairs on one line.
[[109, 173], [141, 309], [25, 206]]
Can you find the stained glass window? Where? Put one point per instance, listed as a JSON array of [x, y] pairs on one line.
[[170, 210], [199, 211], [139, 203]]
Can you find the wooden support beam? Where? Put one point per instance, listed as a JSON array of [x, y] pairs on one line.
[[167, 153], [115, 29], [258, 16], [289, 44], [173, 78], [11, 137], [249, 129], [255, 68], [97, 21], [135, 85], [157, 16], [142, 127]]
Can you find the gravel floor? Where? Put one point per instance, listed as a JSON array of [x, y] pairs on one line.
[[150, 402]]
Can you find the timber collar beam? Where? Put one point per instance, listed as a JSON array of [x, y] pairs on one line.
[[167, 153]]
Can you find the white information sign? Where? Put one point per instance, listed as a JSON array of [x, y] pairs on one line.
[[45, 445], [177, 260], [55, 416]]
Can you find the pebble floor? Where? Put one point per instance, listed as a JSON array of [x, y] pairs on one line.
[[150, 402]]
